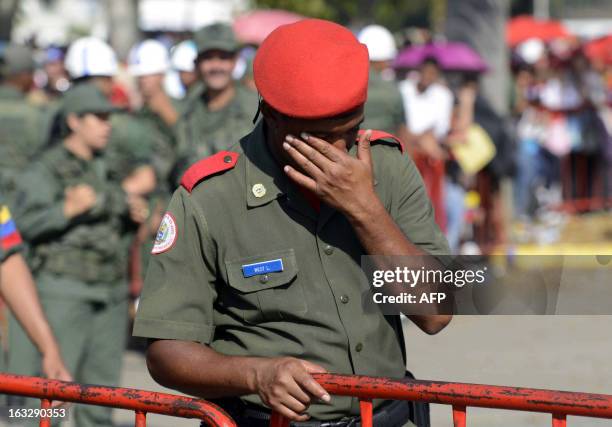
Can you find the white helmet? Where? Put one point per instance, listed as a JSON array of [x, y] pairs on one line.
[[184, 55], [90, 57], [531, 50], [380, 43], [148, 57]]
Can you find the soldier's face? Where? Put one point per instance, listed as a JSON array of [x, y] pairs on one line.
[[95, 130], [188, 78], [340, 131], [215, 67], [151, 84], [104, 84], [429, 74]]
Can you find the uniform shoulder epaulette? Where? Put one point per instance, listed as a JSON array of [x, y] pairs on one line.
[[380, 135], [220, 162]]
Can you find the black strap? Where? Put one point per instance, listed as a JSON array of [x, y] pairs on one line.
[[393, 414]]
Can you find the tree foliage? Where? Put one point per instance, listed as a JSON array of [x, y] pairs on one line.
[[355, 13]]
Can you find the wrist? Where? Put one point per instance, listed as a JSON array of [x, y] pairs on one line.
[[251, 377], [366, 212], [49, 350], [68, 211]]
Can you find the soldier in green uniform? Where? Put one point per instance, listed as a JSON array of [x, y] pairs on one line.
[[148, 62], [138, 155], [220, 110], [19, 292], [255, 281], [23, 126], [71, 215], [91, 60], [384, 109]]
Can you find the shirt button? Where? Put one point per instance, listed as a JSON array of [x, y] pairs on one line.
[[227, 159], [344, 299], [329, 250], [264, 278], [358, 347]]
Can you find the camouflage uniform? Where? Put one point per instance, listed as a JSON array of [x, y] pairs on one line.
[[79, 267], [200, 131]]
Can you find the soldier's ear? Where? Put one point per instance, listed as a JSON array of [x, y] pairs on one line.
[[72, 122], [271, 116]]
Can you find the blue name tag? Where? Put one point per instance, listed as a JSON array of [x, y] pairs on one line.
[[272, 266]]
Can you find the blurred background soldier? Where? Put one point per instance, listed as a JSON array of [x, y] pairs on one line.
[[148, 62], [73, 224], [384, 109], [19, 291], [24, 127], [182, 59], [129, 155], [91, 60], [221, 110]]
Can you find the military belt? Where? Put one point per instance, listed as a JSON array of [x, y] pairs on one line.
[[391, 414]]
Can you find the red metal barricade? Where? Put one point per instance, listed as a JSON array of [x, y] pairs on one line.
[[139, 401], [559, 404]]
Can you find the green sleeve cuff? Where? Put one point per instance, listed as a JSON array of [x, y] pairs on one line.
[[171, 330], [55, 219]]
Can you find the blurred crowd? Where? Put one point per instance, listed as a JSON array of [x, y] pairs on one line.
[[91, 150], [561, 106]]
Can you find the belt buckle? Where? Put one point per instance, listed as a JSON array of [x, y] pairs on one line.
[[349, 422]]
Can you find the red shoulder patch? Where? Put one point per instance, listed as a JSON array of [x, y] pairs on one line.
[[216, 163], [379, 134]]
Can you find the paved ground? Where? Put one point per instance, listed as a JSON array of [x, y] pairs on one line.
[[562, 352]]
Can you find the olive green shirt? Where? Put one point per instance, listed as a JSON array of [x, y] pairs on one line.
[[201, 132], [24, 129], [196, 289], [384, 109], [84, 250]]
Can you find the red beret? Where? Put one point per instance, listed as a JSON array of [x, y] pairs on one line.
[[312, 69]]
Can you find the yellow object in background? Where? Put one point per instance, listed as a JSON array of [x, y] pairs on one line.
[[476, 152], [471, 200]]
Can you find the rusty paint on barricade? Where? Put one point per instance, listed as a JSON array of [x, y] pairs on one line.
[[463, 395], [140, 401]]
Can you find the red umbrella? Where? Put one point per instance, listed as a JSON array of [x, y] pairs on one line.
[[526, 27], [599, 49], [255, 26]]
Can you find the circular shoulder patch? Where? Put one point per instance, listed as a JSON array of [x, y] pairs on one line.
[[166, 234]]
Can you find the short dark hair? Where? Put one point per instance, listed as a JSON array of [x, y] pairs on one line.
[[431, 60]]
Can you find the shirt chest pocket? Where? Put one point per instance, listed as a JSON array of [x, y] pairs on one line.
[[265, 288]]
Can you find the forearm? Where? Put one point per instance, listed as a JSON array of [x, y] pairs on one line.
[[198, 370], [19, 292], [381, 236], [40, 221], [164, 108], [141, 181]]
